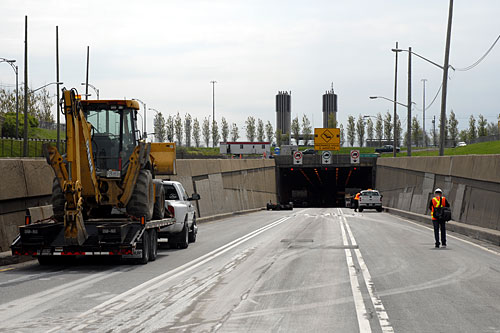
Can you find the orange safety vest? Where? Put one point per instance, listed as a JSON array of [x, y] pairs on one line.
[[435, 204], [357, 196]]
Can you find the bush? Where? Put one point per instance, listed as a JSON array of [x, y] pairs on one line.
[[9, 124]]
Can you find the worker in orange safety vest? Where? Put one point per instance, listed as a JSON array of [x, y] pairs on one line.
[[356, 201], [437, 202]]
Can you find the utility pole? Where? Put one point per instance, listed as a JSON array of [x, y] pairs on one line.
[[423, 123], [57, 88], [87, 77], [408, 128], [17, 102], [434, 131], [394, 150], [213, 104], [445, 82], [25, 137]]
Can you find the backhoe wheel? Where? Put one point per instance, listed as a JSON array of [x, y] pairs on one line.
[[142, 200], [58, 200], [159, 206]]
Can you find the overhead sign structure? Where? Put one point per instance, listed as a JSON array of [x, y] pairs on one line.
[[326, 157], [297, 158], [354, 156], [326, 139]]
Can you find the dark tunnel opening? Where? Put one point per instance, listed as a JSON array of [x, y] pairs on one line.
[[322, 186]]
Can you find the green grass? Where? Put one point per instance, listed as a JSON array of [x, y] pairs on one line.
[[483, 148], [206, 151], [14, 148]]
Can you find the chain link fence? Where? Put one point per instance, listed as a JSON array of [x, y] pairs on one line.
[[12, 147]]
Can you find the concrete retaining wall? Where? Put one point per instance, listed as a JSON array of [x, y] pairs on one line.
[[225, 186], [471, 183]]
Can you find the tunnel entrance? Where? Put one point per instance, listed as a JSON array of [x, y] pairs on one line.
[[322, 186]]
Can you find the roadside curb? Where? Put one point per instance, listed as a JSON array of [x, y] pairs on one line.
[[6, 258], [484, 234], [226, 215]]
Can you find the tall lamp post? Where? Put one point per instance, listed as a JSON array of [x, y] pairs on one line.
[[424, 139], [144, 134], [15, 68], [394, 148], [213, 104], [93, 87]]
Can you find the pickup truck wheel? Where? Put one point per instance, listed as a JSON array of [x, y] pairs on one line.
[[379, 209], [58, 200], [146, 239], [159, 206], [183, 240], [193, 232], [153, 253], [142, 199]]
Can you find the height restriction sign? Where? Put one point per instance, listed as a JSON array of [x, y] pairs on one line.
[[354, 156], [297, 157], [326, 139]]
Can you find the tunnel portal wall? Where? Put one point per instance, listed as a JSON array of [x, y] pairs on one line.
[[225, 186], [471, 183]]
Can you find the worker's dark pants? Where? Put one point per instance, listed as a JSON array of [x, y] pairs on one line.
[[437, 224], [356, 204]]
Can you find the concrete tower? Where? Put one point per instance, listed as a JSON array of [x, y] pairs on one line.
[[329, 107], [283, 111]]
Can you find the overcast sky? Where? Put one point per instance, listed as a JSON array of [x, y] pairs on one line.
[[167, 52]]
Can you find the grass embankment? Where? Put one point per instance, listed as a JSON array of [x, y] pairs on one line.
[[483, 148], [14, 148]]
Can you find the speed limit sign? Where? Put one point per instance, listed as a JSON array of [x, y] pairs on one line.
[[297, 158], [354, 156]]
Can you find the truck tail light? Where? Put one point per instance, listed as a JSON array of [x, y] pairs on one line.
[[171, 210]]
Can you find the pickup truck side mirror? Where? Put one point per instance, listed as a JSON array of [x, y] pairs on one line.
[[195, 196]]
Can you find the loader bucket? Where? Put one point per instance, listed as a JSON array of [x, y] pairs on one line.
[[164, 157]]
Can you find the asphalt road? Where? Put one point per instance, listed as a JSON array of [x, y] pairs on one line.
[[307, 270]]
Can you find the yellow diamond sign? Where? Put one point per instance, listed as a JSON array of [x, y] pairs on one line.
[[326, 139]]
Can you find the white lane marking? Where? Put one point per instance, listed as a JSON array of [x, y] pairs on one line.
[[129, 296], [447, 235], [363, 322], [383, 318]]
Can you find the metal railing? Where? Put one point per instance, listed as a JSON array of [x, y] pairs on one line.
[[12, 147]]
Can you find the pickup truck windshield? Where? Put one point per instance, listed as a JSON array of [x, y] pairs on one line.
[[374, 194]]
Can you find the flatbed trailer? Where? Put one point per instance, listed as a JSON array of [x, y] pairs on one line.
[[123, 236]]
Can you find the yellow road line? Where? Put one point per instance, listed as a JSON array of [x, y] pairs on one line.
[[6, 269]]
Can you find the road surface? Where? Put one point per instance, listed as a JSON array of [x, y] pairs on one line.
[[306, 270]]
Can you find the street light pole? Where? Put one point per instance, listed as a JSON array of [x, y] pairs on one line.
[[213, 104], [424, 140], [394, 148], [445, 82], [144, 134], [25, 137], [87, 76], [57, 79], [93, 87], [408, 128]]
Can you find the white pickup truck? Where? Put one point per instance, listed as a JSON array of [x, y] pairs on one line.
[[179, 206], [370, 199]]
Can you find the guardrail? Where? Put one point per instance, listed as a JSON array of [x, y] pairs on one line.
[[12, 147]]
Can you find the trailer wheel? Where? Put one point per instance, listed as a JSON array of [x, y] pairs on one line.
[[146, 245], [46, 260], [159, 206], [193, 232], [183, 240], [58, 200], [153, 253], [142, 199]]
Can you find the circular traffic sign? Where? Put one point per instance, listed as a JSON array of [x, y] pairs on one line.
[[354, 153], [326, 154], [297, 155]]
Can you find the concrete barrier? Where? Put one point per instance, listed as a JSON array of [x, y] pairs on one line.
[[470, 182]]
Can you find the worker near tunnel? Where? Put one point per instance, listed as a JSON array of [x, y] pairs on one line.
[[439, 218], [356, 201]]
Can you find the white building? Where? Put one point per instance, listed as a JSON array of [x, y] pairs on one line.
[[245, 148]]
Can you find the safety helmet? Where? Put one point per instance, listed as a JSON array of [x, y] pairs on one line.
[[438, 190]]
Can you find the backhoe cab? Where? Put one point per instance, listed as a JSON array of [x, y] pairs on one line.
[[107, 165]]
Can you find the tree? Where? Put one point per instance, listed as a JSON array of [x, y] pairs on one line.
[[463, 135], [269, 132], [360, 129], [388, 126], [196, 132], [453, 128], [306, 129], [159, 127], [178, 129], [279, 137], [39, 103], [250, 128], [379, 128], [295, 128], [332, 122], [342, 135], [472, 128], [170, 129], [260, 130], [215, 134], [224, 130], [206, 131], [351, 130], [188, 126], [399, 131], [235, 134], [416, 131], [44, 106], [369, 129], [492, 129], [481, 126], [9, 125]]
